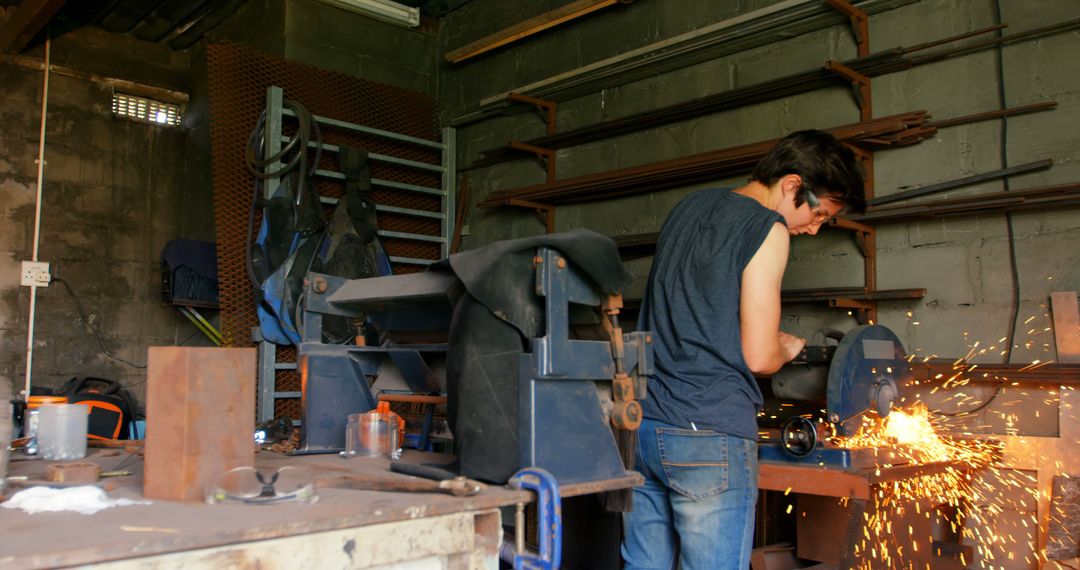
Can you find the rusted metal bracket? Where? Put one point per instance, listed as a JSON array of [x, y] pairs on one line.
[[867, 159], [543, 106], [860, 87], [535, 25], [546, 212], [546, 156], [859, 24], [863, 233], [865, 311], [459, 211], [866, 240]]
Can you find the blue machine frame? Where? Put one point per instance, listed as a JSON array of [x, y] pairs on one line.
[[561, 422]]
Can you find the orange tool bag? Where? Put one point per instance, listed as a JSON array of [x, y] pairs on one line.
[[111, 407]]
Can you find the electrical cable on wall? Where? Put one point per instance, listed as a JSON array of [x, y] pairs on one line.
[[37, 214], [1011, 336], [86, 321]]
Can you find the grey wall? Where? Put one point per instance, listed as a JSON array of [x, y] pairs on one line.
[[335, 39], [962, 263], [113, 195]]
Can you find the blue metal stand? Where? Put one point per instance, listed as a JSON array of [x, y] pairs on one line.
[[335, 377], [549, 520], [822, 456], [561, 423]]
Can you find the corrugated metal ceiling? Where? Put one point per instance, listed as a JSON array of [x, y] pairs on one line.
[[180, 23]]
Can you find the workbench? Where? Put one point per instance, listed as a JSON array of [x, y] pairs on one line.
[[344, 529]]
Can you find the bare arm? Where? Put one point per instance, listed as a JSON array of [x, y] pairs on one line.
[[765, 348]]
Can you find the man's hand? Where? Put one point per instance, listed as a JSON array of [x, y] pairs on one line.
[[790, 345]]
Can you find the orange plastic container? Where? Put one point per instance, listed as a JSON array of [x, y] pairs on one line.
[[36, 402], [383, 409]]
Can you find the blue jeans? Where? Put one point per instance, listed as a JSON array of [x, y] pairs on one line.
[[697, 504]]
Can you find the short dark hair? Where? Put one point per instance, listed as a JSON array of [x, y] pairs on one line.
[[828, 168]]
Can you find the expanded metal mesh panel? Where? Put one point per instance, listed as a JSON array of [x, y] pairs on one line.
[[288, 408], [238, 80], [407, 248]]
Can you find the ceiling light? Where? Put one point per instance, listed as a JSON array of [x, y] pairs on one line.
[[384, 10]]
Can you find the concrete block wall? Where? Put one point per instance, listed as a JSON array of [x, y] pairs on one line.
[[336, 39], [963, 263], [114, 193]]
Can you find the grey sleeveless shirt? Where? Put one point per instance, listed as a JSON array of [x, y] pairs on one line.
[[691, 305]]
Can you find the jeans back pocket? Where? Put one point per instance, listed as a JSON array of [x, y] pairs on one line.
[[695, 461]]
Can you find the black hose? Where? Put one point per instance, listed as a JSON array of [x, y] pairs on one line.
[[296, 150]]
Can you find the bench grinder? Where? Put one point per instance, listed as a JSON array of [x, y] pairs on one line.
[[835, 382]]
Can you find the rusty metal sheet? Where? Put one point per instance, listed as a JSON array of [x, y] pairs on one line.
[[200, 415], [823, 531], [1066, 326], [812, 480]]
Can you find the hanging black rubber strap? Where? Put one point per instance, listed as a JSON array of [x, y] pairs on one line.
[[351, 249], [361, 209]]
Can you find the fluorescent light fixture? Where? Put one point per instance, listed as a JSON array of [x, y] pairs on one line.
[[384, 10]]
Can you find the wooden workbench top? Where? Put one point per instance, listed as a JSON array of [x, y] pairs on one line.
[[837, 482], [48, 540]]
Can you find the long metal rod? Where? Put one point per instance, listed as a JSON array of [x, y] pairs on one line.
[[329, 200], [131, 87], [690, 169], [384, 183], [940, 369], [524, 29], [327, 147], [745, 31], [267, 375], [409, 212], [961, 182], [370, 131], [411, 236], [885, 132], [411, 260], [449, 186], [1042, 198], [956, 38], [37, 217], [1009, 112], [874, 65]]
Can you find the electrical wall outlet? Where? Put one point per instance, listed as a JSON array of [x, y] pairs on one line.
[[35, 274]]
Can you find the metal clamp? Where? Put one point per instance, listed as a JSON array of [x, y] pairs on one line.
[[549, 520]]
